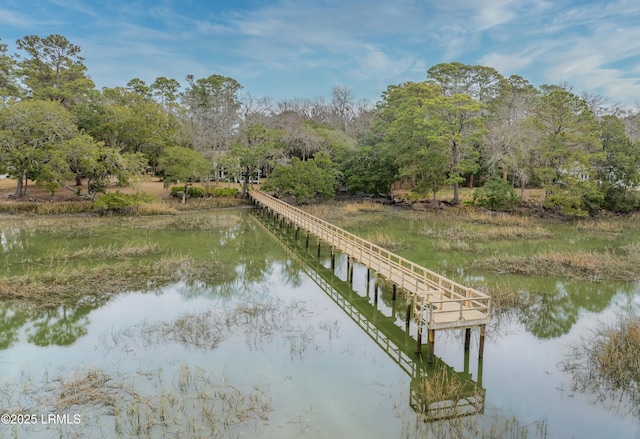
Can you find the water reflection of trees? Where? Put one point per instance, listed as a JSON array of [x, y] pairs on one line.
[[241, 259], [552, 313]]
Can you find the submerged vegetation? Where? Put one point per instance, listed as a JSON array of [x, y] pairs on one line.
[[206, 330], [193, 403]]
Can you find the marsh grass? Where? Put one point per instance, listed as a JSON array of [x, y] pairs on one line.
[[443, 394], [607, 364], [95, 285], [105, 252], [46, 208], [190, 404], [496, 219], [580, 265], [455, 245], [448, 407], [386, 241], [206, 203], [599, 226], [339, 211], [487, 234]]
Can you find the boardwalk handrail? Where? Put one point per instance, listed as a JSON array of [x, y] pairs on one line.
[[415, 279]]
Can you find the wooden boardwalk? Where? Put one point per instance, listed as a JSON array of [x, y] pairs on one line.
[[438, 303]]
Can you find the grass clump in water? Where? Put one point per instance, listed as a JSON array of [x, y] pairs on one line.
[[484, 234], [192, 404], [96, 285], [206, 330], [608, 364], [386, 241], [581, 265]]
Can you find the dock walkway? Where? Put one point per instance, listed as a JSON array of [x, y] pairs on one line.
[[438, 303]]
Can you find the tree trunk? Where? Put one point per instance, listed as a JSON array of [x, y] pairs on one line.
[[184, 193], [21, 178], [456, 196], [245, 184]]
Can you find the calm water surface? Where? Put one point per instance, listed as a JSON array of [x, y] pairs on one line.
[[321, 373]]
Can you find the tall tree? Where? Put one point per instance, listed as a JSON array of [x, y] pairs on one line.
[[484, 84], [53, 69], [569, 135], [619, 172], [8, 80], [404, 119], [166, 91], [253, 150], [569, 151], [212, 110], [456, 122], [509, 139]]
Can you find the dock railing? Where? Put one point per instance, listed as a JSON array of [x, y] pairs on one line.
[[434, 295]]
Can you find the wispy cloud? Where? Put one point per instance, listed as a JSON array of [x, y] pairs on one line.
[[367, 44]]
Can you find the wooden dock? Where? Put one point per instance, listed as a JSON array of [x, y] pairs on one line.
[[438, 303]]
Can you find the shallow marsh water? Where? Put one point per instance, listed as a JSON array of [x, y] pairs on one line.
[[298, 364]]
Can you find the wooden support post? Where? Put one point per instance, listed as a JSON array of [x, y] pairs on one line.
[[333, 259], [467, 339], [408, 316], [297, 232], [375, 293], [432, 345], [481, 348], [307, 244], [466, 361], [319, 247], [395, 288], [419, 346], [348, 266], [351, 273]]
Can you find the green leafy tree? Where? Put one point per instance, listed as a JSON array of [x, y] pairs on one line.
[[8, 81], [408, 136], [569, 150], [52, 69], [484, 84], [304, 180], [166, 91], [100, 164], [619, 172], [371, 170], [33, 136], [180, 164], [124, 120], [455, 122]]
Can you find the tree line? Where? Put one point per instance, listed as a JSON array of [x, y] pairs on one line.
[[462, 126]]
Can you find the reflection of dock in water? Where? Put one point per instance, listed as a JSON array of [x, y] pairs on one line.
[[466, 396]]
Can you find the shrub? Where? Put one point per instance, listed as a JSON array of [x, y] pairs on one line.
[[117, 202], [496, 194], [198, 192], [228, 192]]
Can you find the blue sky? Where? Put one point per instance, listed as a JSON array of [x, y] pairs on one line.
[[298, 48]]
